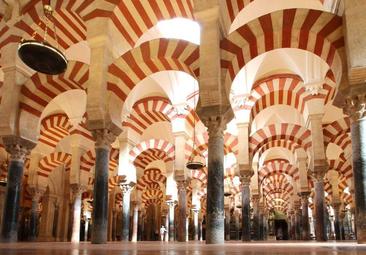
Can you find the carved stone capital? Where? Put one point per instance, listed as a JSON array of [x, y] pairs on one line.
[[17, 147], [313, 88], [76, 190], [182, 185], [304, 196], [215, 126], [355, 106], [319, 171], [170, 203], [36, 193], [103, 138], [126, 188], [245, 180]]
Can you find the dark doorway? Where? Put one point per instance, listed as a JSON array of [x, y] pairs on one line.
[[281, 229]]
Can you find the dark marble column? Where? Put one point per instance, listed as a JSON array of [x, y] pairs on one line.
[[182, 210], [215, 225], [126, 192], [18, 149], [76, 192], [195, 223], [227, 223], [135, 221], [104, 138], [298, 213], [256, 227], [355, 108], [305, 227], [34, 217], [337, 225], [171, 230], [319, 203], [261, 221], [245, 209]]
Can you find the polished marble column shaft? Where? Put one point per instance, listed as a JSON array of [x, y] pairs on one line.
[[171, 229], [245, 210], [126, 192], [182, 211], [305, 227], [18, 149], [319, 203]]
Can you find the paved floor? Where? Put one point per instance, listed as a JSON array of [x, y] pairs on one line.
[[196, 248]]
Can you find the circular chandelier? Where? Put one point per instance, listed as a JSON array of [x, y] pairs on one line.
[[193, 164], [41, 56]]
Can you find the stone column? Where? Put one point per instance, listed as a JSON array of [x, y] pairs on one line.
[[104, 138], [298, 213], [18, 149], [355, 107], [227, 222], [126, 193], [34, 217], [171, 229], [305, 234], [135, 221], [245, 209], [195, 223], [182, 210], [114, 224], [215, 228], [166, 235], [2, 201], [76, 192], [256, 216], [337, 225], [292, 224], [319, 203], [49, 202]]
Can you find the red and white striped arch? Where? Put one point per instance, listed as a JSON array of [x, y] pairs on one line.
[[342, 167], [151, 57], [278, 167], [87, 161], [40, 89], [201, 145], [70, 28], [333, 130], [152, 194], [150, 155], [200, 175], [150, 176], [53, 129], [311, 30], [273, 132], [283, 89], [133, 18], [148, 111], [158, 144], [280, 143], [277, 183], [48, 163]]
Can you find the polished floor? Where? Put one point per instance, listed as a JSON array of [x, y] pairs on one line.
[[196, 248]]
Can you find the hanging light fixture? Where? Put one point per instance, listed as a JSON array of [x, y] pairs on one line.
[[192, 163], [41, 56], [227, 192]]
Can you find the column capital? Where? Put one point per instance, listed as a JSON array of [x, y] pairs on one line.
[[76, 190], [320, 168], [355, 106], [245, 179], [126, 187], [17, 147], [304, 195], [104, 137], [182, 185], [37, 193]]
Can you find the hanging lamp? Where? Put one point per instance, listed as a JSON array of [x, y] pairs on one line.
[[193, 164], [41, 56], [227, 192]]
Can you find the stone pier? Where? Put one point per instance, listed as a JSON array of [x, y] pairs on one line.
[[18, 149]]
